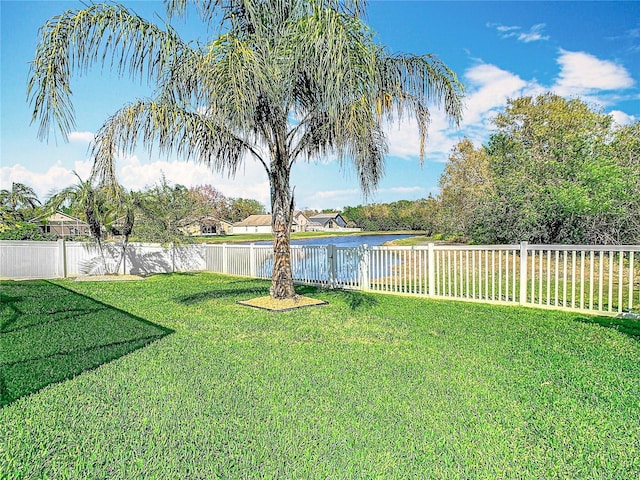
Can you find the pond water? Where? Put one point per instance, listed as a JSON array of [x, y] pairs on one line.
[[345, 240], [314, 265]]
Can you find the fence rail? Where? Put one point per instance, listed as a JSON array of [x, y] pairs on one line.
[[597, 279], [604, 279]]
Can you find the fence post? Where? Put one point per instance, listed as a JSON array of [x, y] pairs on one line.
[[124, 260], [224, 258], [332, 262], [363, 265], [523, 273], [252, 260], [62, 258], [431, 272]]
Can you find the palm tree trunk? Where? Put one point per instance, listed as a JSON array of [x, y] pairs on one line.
[[127, 228], [95, 227], [281, 216]]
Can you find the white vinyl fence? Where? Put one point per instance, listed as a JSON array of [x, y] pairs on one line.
[[21, 260], [598, 279], [602, 279]]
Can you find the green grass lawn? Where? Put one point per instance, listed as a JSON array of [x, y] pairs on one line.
[[369, 386]]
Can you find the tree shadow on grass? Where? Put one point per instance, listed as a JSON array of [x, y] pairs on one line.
[[231, 289], [49, 334], [628, 326], [251, 288], [354, 300]]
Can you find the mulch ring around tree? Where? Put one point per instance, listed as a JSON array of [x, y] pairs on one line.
[[271, 304]]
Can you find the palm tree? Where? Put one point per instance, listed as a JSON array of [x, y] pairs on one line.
[[20, 199], [85, 197], [286, 80], [103, 208]]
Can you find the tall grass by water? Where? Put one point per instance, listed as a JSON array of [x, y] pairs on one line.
[[369, 386]]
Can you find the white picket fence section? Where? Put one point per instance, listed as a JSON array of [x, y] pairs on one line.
[[602, 279], [597, 279]]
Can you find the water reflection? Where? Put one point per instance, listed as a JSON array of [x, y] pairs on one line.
[[340, 264], [345, 240]]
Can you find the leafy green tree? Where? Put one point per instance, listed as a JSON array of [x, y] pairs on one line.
[[241, 208], [165, 212], [372, 217], [560, 176], [621, 222], [211, 202], [19, 203], [465, 186], [286, 80], [401, 215], [424, 215]]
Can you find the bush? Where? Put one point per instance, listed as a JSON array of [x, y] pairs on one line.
[[25, 231]]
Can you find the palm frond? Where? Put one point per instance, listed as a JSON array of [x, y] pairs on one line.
[[109, 35], [424, 78], [174, 130]]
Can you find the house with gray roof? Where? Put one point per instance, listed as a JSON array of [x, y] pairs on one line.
[[327, 221]]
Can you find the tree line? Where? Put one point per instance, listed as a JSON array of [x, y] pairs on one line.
[[159, 213], [553, 171]]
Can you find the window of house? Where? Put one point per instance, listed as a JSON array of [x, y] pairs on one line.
[[207, 229]]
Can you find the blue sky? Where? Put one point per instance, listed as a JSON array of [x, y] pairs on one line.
[[500, 50]]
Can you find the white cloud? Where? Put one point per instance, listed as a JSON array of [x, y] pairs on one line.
[[489, 88], [533, 35], [622, 118], [81, 137], [333, 199], [135, 175], [404, 141], [583, 74], [402, 138], [54, 179], [250, 182], [505, 28]]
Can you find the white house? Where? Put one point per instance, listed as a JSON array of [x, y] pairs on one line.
[[253, 224], [262, 224]]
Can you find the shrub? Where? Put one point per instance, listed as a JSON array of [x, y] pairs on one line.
[[24, 231]]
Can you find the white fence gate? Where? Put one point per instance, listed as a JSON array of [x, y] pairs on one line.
[[597, 279]]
